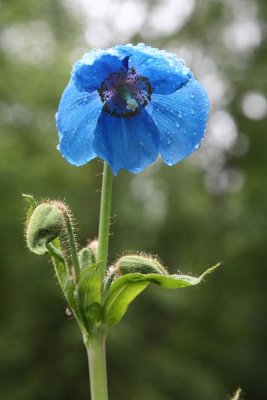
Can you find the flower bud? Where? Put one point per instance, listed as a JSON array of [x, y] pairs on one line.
[[45, 225], [93, 246], [143, 264], [86, 257]]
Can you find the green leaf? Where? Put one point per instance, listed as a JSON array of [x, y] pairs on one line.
[[94, 312], [124, 290], [117, 303], [69, 292], [89, 292]]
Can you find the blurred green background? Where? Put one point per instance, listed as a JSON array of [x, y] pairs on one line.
[[197, 343]]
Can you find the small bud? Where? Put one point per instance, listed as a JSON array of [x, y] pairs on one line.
[[142, 264], [86, 257], [93, 246], [45, 225], [48, 221]]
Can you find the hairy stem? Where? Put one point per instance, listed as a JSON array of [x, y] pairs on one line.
[[73, 247], [95, 344], [104, 221]]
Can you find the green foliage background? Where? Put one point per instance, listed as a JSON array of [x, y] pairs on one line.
[[197, 343]]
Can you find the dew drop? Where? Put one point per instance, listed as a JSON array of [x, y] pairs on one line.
[[68, 312], [192, 96]]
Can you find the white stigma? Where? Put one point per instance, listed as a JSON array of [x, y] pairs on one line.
[[131, 104]]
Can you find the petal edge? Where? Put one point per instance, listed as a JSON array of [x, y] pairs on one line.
[[76, 120], [181, 120]]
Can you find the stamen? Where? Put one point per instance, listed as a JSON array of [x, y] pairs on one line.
[[125, 93], [132, 104]]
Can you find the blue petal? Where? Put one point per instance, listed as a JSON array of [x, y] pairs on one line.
[[165, 71], [76, 121], [94, 67], [126, 143], [181, 120]]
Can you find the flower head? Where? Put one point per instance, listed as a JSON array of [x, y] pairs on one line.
[[129, 104]]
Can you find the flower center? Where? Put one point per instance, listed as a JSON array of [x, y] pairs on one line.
[[124, 93]]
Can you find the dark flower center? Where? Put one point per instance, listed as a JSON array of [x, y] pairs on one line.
[[124, 93]]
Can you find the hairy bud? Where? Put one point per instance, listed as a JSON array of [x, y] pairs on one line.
[[45, 225], [93, 246], [86, 257], [143, 264], [48, 221]]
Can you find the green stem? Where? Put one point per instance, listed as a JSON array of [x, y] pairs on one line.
[[104, 221], [73, 247], [54, 252], [95, 344], [97, 366]]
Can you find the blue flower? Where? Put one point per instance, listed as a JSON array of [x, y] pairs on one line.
[[129, 104]]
